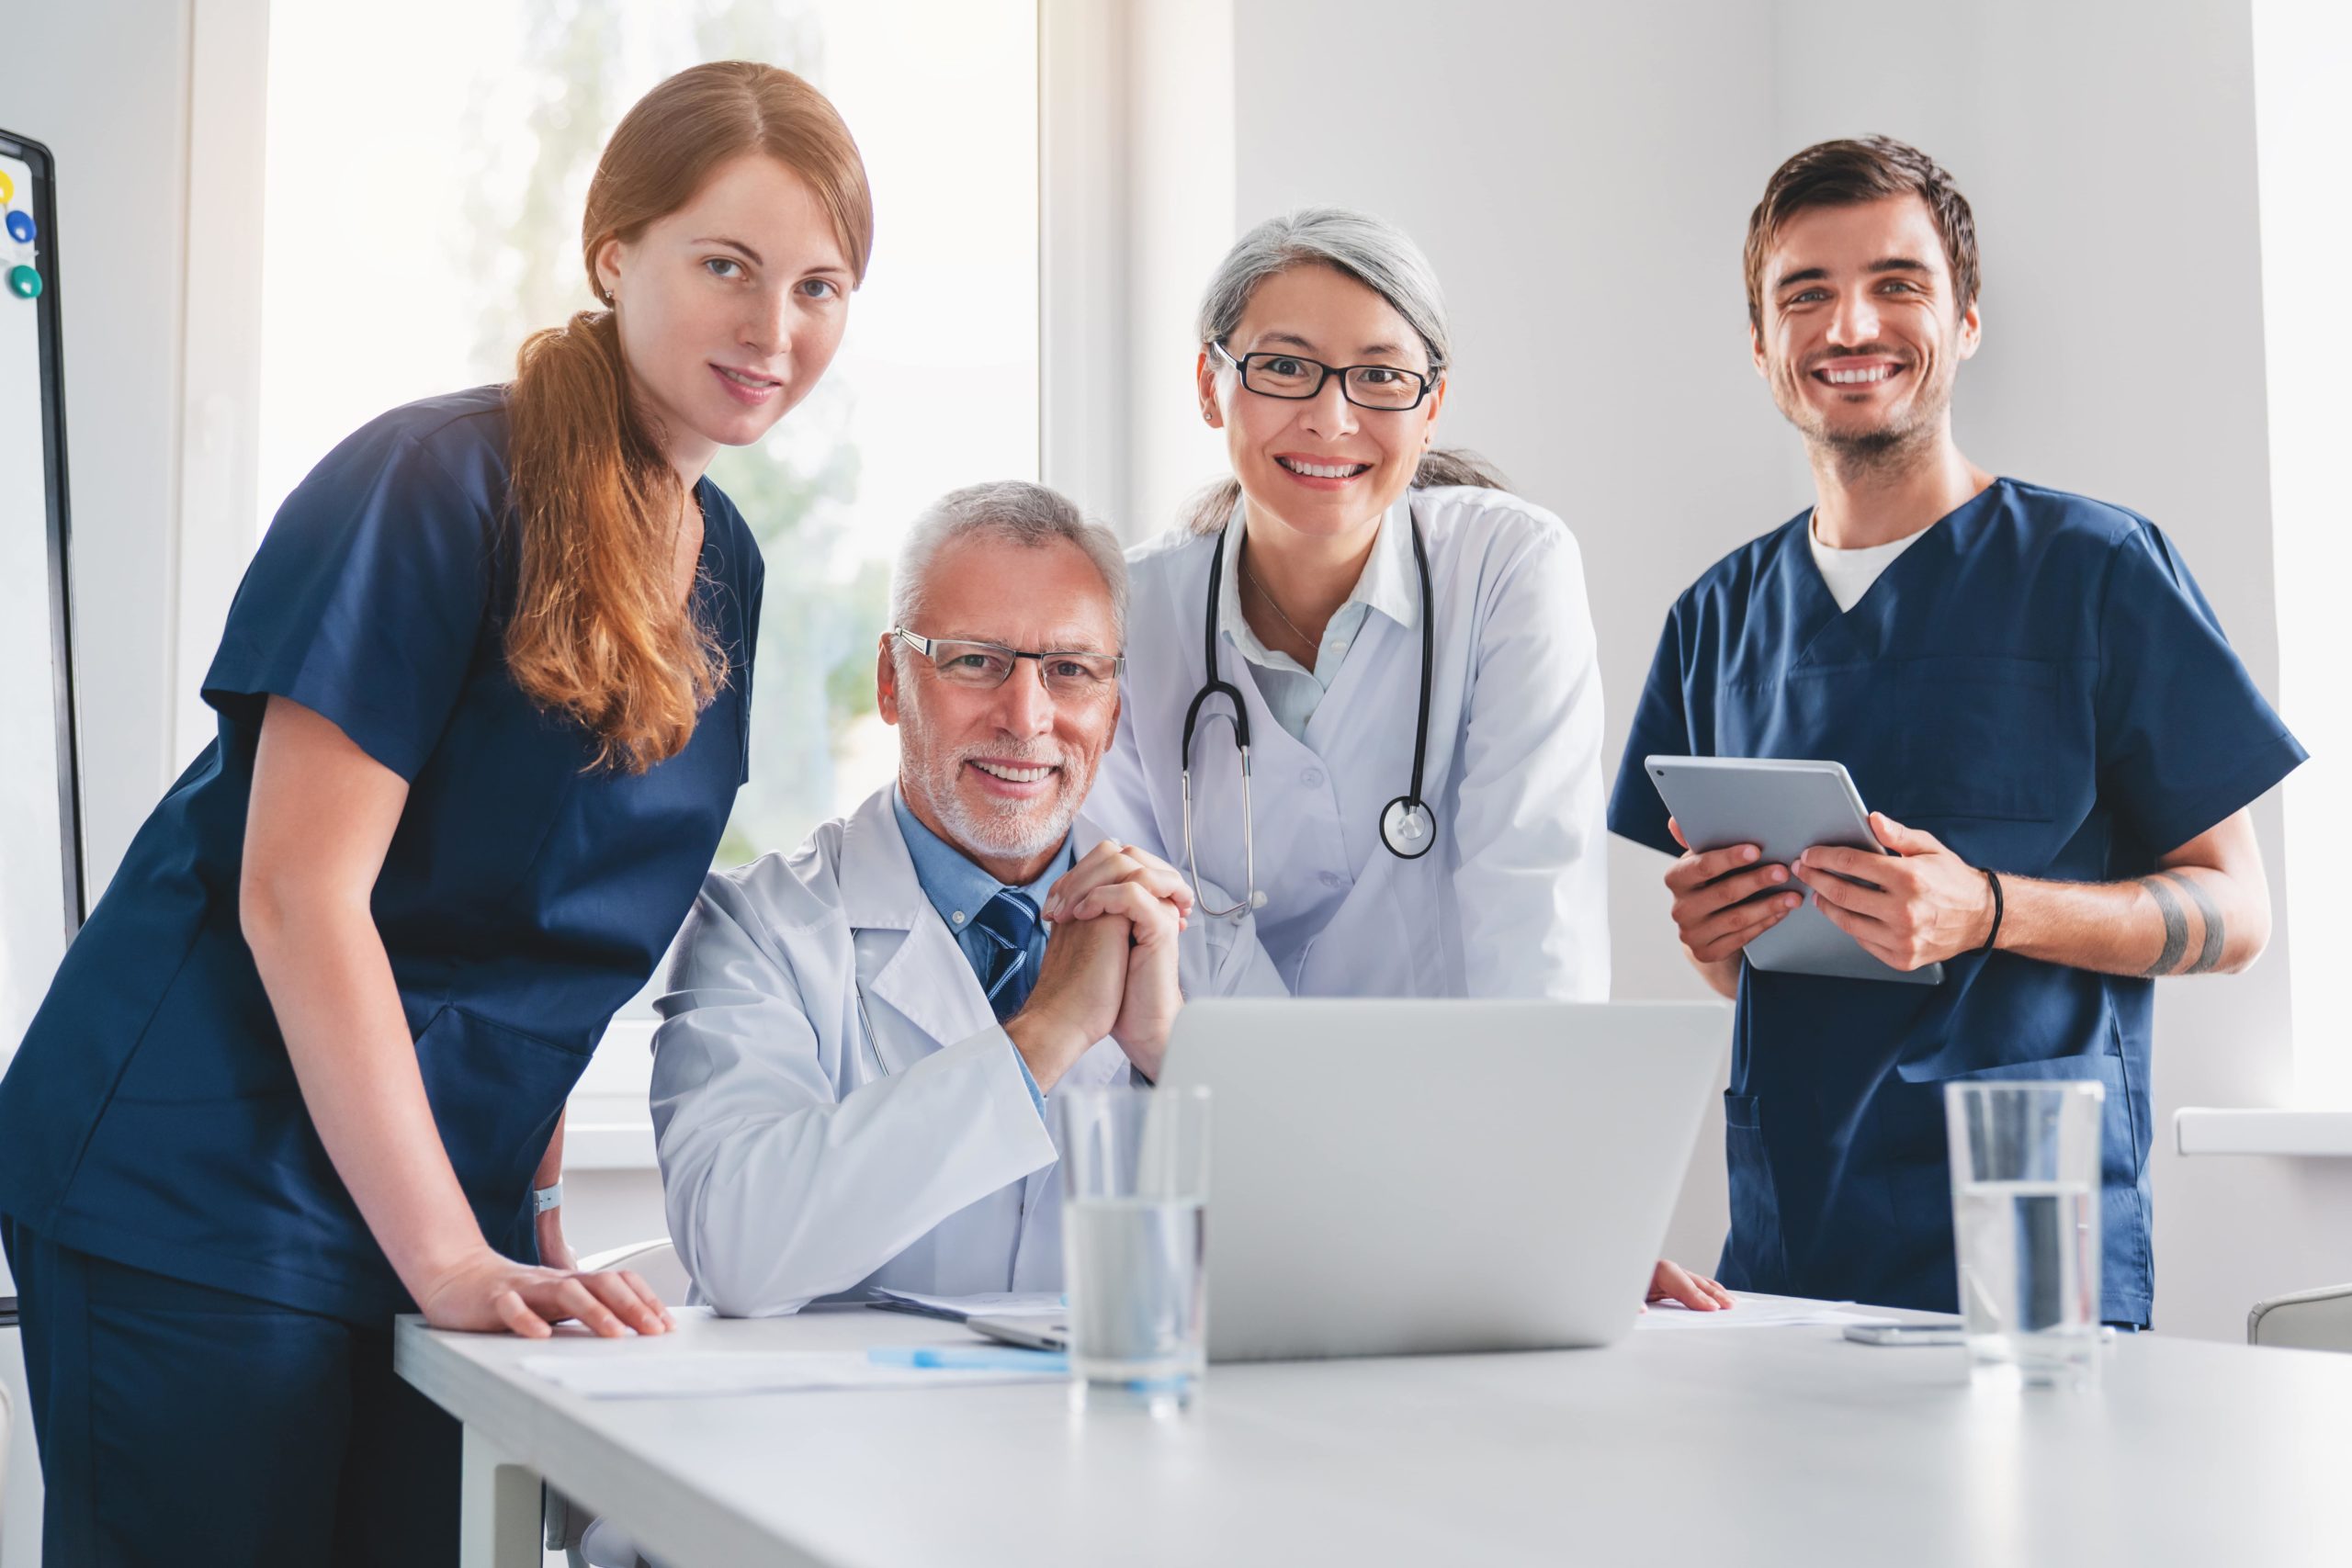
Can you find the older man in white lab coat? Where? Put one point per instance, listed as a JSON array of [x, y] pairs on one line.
[[851, 1075]]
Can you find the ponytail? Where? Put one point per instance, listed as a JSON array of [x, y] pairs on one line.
[[598, 633], [1213, 508], [1455, 466]]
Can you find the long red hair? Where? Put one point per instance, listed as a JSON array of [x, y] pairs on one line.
[[597, 632]]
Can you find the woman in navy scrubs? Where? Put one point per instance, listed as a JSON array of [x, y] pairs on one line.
[[482, 700]]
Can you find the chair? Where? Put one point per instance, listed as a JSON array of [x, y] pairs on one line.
[[8, 1415], [8, 1345], [2308, 1320], [656, 1262]]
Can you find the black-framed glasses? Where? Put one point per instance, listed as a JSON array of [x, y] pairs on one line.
[[1067, 672], [1386, 388]]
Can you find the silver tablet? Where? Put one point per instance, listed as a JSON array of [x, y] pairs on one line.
[[1784, 807]]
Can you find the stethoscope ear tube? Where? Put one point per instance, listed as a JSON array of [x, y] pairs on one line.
[[1239, 719], [1408, 825], [1250, 897], [1215, 686]]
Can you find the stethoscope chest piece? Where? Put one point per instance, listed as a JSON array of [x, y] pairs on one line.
[[1408, 828]]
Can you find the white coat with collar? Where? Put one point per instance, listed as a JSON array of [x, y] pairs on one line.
[[1513, 899], [803, 1158]]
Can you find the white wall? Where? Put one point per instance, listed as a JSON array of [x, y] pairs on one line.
[[104, 84], [1582, 177]]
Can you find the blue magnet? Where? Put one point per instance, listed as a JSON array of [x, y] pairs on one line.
[[24, 282], [20, 228]]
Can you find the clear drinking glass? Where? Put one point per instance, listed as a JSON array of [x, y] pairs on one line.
[[2025, 1198], [1135, 1186]]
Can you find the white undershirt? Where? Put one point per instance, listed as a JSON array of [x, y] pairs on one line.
[[1850, 573]]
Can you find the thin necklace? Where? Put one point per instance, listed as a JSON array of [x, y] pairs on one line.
[[1251, 579]]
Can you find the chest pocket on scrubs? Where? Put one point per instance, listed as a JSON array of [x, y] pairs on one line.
[[1978, 733]]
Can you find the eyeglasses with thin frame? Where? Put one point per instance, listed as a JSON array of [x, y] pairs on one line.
[[1388, 389], [983, 666]]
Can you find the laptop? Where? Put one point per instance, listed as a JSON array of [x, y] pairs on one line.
[[1395, 1178]]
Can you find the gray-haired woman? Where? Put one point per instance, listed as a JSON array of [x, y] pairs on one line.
[[1401, 644]]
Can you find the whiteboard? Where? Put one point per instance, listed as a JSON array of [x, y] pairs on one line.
[[41, 896]]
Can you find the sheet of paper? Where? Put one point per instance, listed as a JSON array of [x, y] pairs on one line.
[[1002, 1303], [690, 1375], [1756, 1311]]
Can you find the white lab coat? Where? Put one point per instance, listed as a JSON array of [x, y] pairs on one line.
[[1513, 899], [802, 1159]]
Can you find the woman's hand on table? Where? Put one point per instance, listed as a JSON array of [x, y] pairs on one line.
[[491, 1294], [1672, 1282]]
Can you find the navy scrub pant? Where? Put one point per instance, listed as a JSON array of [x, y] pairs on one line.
[[182, 1425]]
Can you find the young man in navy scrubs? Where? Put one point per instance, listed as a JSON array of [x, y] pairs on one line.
[[2030, 689]]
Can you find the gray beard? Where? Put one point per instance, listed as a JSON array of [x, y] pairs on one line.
[[1001, 833]]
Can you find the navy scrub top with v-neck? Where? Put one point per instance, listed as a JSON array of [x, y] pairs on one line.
[[2037, 683], [151, 1115]]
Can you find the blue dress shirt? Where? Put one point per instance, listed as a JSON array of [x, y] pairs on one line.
[[958, 889]]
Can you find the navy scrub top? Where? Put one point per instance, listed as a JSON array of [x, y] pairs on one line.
[[151, 1115], [2036, 682]]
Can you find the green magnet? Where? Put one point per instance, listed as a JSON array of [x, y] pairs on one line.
[[24, 282]]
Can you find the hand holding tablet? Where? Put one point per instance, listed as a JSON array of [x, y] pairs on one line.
[[1784, 808]]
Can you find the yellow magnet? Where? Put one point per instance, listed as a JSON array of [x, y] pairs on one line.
[[7, 189]]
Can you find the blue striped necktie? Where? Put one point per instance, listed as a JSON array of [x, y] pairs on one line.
[[1007, 920]]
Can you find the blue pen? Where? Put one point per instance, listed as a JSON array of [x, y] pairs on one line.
[[969, 1358]]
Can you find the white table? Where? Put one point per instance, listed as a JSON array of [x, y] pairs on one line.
[[1754, 1446]]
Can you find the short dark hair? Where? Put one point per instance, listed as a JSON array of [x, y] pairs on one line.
[[1842, 173]]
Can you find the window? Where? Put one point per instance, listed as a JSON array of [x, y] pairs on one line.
[[2303, 136], [423, 210]]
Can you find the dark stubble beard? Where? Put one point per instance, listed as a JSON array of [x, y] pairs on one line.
[[1875, 453], [1888, 449]]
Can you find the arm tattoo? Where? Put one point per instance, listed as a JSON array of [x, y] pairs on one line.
[[2175, 927], [2209, 953]]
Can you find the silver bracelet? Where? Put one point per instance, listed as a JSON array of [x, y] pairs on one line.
[[546, 1198]]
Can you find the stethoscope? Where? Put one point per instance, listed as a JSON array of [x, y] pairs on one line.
[[1408, 827]]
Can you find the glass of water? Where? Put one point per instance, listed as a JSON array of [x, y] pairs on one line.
[[2025, 1198], [1134, 1187]]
